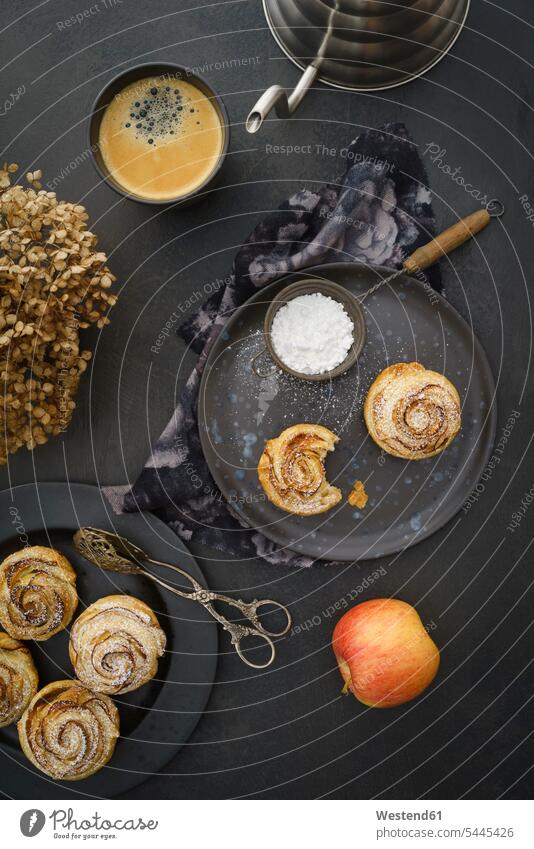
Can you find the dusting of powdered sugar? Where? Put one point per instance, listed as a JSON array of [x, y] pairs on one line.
[[312, 334], [265, 406]]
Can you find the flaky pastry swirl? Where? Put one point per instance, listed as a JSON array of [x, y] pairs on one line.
[[412, 412], [115, 644], [18, 679], [37, 593], [292, 473], [69, 732]]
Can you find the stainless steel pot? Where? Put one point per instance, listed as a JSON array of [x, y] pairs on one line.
[[362, 45]]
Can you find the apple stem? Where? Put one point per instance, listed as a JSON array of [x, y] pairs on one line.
[[346, 688]]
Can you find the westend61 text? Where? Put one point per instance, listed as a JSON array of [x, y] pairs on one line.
[[408, 815]]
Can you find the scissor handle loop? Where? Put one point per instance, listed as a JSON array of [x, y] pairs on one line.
[[251, 610], [258, 635]]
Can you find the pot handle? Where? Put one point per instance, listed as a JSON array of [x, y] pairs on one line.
[[276, 97]]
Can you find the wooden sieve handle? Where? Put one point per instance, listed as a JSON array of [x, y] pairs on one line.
[[447, 241]]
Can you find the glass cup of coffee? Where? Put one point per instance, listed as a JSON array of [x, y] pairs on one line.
[[159, 134]]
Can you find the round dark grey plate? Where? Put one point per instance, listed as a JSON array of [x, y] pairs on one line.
[[408, 501], [157, 719]]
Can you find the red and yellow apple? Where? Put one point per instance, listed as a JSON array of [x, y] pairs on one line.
[[384, 652]]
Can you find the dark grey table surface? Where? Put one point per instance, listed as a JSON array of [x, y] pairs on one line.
[[288, 733]]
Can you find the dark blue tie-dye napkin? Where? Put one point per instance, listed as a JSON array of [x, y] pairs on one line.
[[378, 212]]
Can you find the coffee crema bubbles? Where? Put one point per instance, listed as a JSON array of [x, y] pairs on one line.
[[161, 138]]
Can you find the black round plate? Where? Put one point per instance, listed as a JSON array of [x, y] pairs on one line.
[[408, 501], [159, 717]]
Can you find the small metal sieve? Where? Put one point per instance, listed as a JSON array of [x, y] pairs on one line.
[[415, 264], [310, 287]]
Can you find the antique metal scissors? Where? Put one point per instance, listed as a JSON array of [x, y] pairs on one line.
[[117, 554]]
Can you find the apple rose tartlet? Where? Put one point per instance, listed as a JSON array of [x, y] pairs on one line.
[[115, 644], [37, 593], [291, 470], [69, 732], [18, 679], [412, 412]]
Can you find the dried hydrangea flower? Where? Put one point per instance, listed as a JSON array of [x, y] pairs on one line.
[[53, 283]]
